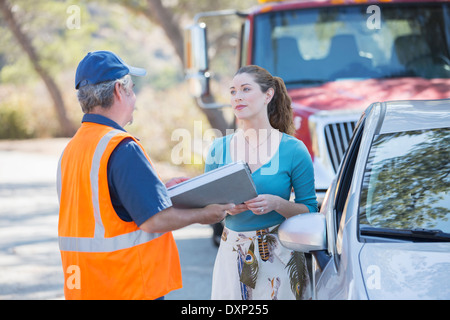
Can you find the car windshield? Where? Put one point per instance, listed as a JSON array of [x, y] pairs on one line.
[[312, 46], [406, 182]]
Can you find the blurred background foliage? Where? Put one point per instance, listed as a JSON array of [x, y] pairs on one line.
[[133, 30]]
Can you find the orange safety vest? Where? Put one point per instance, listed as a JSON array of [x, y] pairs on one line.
[[104, 257]]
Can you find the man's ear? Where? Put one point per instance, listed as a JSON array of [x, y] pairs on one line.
[[117, 91]]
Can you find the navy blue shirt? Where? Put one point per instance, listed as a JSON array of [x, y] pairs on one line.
[[136, 191]]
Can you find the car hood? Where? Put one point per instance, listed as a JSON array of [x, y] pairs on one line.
[[406, 270], [359, 94]]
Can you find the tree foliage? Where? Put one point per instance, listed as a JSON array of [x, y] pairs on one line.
[[123, 26]]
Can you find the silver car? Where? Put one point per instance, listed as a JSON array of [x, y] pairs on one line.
[[384, 228]]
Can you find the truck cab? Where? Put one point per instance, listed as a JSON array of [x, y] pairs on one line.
[[336, 58]]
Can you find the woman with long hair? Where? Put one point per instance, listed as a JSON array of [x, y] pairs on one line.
[[251, 263]]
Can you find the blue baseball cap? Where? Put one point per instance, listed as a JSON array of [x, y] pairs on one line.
[[100, 66]]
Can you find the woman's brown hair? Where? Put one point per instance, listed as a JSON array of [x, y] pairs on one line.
[[279, 108]]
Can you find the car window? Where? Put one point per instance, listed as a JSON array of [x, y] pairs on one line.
[[346, 172], [406, 183]]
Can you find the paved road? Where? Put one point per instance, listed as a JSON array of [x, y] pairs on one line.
[[29, 257]]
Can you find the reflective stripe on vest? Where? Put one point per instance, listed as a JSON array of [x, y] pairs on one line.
[[99, 243]]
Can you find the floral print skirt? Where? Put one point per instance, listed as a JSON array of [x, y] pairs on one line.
[[253, 265]]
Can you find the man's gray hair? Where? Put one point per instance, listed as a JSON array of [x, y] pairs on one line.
[[100, 94]]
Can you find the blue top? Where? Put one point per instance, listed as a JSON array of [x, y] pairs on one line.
[[290, 167], [136, 191]]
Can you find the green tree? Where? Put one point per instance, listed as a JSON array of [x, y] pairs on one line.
[[66, 126], [49, 48], [169, 15]]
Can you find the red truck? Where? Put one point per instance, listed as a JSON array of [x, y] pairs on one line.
[[336, 58]]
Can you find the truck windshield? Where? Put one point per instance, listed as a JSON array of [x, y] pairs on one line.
[[311, 46]]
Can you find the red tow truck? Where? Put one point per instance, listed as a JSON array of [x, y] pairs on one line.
[[336, 58]]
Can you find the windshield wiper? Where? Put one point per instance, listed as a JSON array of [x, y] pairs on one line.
[[416, 234]]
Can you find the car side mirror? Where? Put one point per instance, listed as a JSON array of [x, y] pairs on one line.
[[304, 233]]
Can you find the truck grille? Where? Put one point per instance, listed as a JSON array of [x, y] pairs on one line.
[[337, 137]]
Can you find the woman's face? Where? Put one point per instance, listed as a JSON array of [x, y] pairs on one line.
[[247, 99]]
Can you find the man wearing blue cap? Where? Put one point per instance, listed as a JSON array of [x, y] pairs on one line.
[[115, 215]]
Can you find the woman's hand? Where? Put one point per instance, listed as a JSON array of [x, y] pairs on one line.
[[175, 181], [263, 204]]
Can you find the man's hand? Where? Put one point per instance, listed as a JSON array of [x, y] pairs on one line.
[[238, 209], [172, 218], [215, 213], [175, 181]]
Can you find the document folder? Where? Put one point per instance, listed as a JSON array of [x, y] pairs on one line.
[[231, 183]]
